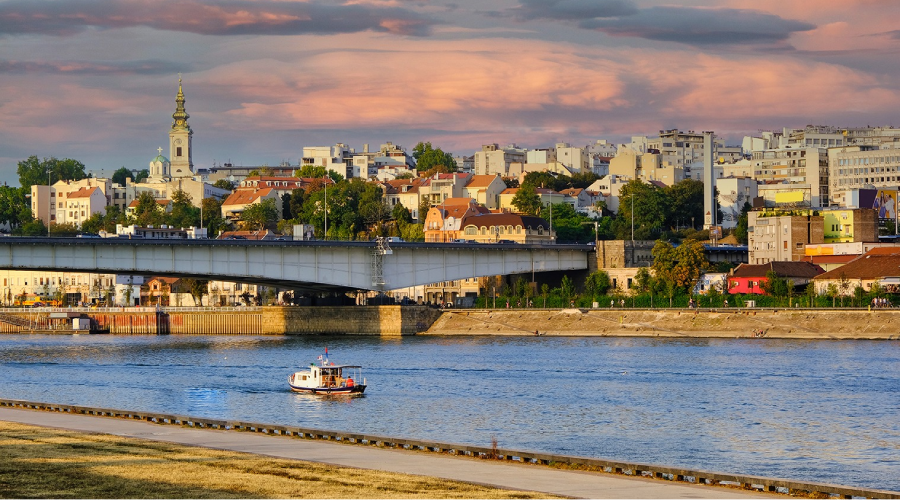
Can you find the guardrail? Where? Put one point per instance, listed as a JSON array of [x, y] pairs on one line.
[[758, 483]]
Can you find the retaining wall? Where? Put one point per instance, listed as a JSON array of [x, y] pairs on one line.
[[723, 323]]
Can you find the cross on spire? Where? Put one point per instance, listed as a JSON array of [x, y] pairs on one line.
[[160, 150]]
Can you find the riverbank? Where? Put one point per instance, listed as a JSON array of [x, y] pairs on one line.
[[883, 324]]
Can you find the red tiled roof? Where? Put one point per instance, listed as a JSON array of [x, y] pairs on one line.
[[480, 181], [243, 197], [869, 266], [83, 192], [782, 270], [829, 259]]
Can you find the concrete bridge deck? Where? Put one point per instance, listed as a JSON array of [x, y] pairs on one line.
[[318, 266]]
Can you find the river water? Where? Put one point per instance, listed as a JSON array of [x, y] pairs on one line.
[[823, 411]]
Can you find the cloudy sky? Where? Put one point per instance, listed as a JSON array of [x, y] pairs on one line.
[[96, 80]]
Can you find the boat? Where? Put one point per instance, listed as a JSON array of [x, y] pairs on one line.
[[328, 378]]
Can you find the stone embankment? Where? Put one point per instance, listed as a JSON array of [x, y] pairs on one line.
[[721, 323]]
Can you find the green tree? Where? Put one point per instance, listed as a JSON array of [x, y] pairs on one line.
[[527, 200], [259, 216], [740, 232], [39, 172], [14, 209], [142, 175], [184, 213], [545, 180], [197, 288], [298, 197], [424, 207], [31, 227], [567, 223], [121, 176], [651, 211], [212, 216], [685, 201], [428, 157], [597, 283], [401, 214], [224, 184], [317, 172], [63, 230], [147, 212], [678, 269], [566, 289]]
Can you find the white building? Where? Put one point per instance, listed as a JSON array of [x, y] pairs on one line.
[[493, 160]]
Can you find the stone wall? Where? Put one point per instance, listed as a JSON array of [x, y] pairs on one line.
[[723, 323], [369, 320], [315, 320]]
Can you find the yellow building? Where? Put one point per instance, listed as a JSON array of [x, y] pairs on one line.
[[851, 225], [493, 228]]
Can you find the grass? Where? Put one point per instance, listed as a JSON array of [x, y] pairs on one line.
[[37, 462]]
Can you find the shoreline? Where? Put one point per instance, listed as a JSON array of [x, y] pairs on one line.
[[818, 324]]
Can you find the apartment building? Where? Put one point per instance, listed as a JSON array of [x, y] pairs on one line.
[[494, 160], [859, 167], [807, 166], [778, 236]]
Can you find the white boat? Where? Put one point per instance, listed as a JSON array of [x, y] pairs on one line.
[[328, 378]]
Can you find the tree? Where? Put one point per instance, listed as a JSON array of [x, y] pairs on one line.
[[545, 291], [527, 200], [317, 172], [63, 230], [121, 176], [566, 289], [197, 288], [651, 211], [740, 232], [298, 197], [427, 158], [31, 227], [40, 172], [147, 211], [212, 216], [259, 216], [685, 201], [184, 213], [13, 206], [401, 214], [544, 180], [567, 223], [224, 184], [424, 207], [142, 175], [678, 268], [597, 283]]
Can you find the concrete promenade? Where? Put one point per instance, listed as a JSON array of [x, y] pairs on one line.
[[504, 475]]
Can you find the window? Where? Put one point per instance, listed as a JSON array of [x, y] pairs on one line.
[[178, 151]]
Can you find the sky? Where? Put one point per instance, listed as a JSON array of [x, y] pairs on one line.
[[96, 80]]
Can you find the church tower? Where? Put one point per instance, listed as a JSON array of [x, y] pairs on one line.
[[180, 139]]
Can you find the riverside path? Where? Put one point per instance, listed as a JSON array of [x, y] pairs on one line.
[[503, 475]]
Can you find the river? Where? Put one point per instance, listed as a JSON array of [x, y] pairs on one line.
[[823, 411]]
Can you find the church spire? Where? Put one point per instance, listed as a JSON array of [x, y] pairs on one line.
[[180, 116]]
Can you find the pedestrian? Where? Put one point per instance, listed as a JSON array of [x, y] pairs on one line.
[[726, 302], [622, 302], [612, 303]]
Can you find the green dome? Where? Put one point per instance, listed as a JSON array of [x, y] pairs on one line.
[[160, 158]]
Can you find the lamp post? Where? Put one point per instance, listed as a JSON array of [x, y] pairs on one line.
[[326, 204]]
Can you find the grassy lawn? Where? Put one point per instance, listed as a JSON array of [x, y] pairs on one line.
[[36, 462]]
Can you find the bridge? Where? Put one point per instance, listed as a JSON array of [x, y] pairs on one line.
[[315, 266]]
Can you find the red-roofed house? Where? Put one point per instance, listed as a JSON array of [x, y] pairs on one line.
[[485, 189], [749, 278], [879, 265], [234, 205], [444, 222], [80, 205]]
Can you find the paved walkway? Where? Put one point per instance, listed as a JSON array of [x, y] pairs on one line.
[[504, 475]]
